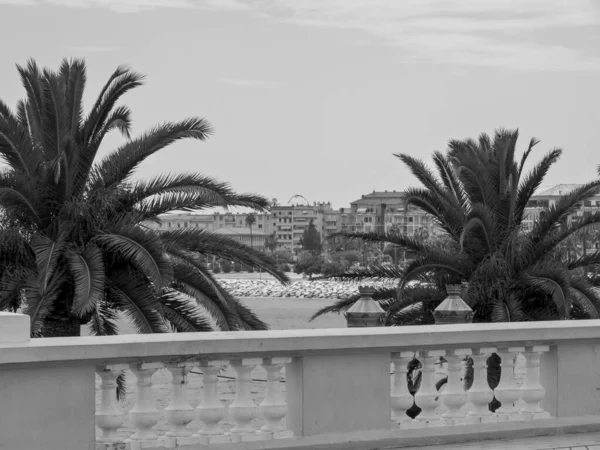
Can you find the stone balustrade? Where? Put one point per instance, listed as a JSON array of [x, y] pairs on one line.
[[337, 391]]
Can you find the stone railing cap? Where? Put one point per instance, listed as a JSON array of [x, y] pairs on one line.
[[249, 344]]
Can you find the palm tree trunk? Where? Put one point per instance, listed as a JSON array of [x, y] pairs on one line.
[[61, 326]]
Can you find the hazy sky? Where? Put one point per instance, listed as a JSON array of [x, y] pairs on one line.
[[312, 97]]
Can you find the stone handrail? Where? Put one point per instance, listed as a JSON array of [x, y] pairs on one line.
[[337, 386]]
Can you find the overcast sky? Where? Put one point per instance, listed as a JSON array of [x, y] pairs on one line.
[[312, 97]]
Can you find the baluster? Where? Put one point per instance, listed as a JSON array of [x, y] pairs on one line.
[[454, 395], [179, 413], [210, 411], [532, 391], [109, 417], [401, 400], [144, 414], [507, 392], [426, 396], [273, 408], [480, 395], [243, 410]]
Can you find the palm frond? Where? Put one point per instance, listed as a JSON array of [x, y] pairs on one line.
[[118, 167], [210, 243], [140, 248], [183, 315], [103, 320], [128, 292], [87, 269], [534, 179]]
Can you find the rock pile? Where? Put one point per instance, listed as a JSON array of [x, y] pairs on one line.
[[300, 289]]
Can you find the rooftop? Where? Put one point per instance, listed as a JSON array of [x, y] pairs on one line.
[[557, 190], [380, 194]]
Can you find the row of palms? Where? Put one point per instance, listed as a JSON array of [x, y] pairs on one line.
[[74, 248], [478, 197]]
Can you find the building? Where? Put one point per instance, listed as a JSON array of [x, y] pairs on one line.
[[377, 211], [291, 221], [547, 198], [380, 211], [288, 223], [182, 220], [254, 239]]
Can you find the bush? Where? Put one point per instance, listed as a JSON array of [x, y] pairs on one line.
[[216, 268], [226, 266], [237, 267], [351, 256], [331, 268], [284, 256], [308, 264], [250, 269], [285, 268]]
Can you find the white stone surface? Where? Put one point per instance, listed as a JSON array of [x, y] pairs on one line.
[[242, 344], [14, 327]]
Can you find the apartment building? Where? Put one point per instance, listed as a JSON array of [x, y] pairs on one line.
[[291, 221], [376, 211], [254, 239], [380, 211], [547, 198], [182, 220]]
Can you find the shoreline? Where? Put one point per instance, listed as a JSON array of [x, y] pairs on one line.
[[324, 289]]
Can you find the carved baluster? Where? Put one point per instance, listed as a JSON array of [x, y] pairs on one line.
[[426, 396], [401, 400], [532, 391], [480, 395], [454, 396], [210, 411], [109, 417], [243, 410], [144, 414], [273, 407], [507, 392], [179, 413]]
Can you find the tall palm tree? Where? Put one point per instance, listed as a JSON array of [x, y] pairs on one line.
[[478, 199], [250, 221], [75, 245]]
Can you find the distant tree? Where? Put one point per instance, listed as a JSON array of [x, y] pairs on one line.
[[311, 239], [284, 256], [226, 266], [309, 264], [351, 256], [271, 242], [250, 221], [332, 268]]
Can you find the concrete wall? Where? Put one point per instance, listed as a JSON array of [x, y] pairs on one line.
[[47, 408], [44, 406], [338, 383]]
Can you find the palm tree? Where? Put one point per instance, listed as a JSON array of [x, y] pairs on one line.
[[250, 221], [478, 199], [271, 242], [75, 245]]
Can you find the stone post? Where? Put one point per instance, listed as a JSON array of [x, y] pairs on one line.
[[45, 406], [366, 312], [453, 309]]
